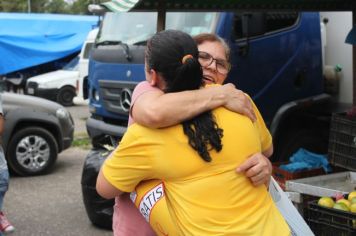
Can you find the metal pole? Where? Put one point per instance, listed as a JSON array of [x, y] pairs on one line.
[[161, 21], [29, 6]]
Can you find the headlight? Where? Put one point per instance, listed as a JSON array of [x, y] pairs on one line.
[[61, 113], [43, 85]]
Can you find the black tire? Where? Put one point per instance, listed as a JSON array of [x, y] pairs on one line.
[[310, 140], [32, 151], [65, 96]]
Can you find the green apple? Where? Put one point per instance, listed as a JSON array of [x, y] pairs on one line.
[[326, 202], [341, 206]]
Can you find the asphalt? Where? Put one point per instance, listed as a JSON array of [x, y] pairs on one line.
[[52, 204]]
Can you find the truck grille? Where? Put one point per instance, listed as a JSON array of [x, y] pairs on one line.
[[116, 95]]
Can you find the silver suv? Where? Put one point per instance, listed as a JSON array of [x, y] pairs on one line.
[[35, 131]]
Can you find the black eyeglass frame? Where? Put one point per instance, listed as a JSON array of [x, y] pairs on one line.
[[225, 65]]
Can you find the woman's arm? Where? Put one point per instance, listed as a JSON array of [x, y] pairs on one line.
[[104, 188], [157, 109], [258, 168], [268, 152]]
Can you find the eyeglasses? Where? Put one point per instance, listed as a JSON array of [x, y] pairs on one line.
[[222, 66]]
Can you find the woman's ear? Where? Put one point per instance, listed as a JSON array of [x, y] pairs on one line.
[[154, 78]]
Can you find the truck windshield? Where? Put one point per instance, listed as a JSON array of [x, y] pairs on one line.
[[192, 23], [137, 27]]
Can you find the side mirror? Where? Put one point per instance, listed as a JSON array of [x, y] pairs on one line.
[[97, 9]]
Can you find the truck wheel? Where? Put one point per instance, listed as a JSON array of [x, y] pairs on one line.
[[32, 151], [303, 138], [65, 96]]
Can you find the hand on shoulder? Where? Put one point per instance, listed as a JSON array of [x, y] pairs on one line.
[[238, 102]]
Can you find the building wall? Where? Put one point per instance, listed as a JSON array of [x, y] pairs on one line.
[[338, 52]]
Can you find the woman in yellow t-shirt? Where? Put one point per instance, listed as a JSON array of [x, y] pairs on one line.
[[193, 170], [172, 110], [145, 94]]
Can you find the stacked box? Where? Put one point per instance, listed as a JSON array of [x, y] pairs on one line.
[[342, 141]]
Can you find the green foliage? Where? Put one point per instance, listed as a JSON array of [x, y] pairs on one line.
[[48, 6], [81, 6], [13, 5], [38, 6], [57, 6]]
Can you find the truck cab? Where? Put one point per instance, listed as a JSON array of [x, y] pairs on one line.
[[287, 87]]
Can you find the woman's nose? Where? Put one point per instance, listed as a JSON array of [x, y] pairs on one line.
[[212, 66]]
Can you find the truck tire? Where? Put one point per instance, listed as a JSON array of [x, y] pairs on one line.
[[310, 140], [32, 151], [65, 96]]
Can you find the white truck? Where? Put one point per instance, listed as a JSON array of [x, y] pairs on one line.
[[68, 84]]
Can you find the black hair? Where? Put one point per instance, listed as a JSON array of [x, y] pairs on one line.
[[165, 52]]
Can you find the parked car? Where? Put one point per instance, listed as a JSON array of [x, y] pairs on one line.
[[67, 83], [82, 86], [59, 86], [35, 131], [33, 43]]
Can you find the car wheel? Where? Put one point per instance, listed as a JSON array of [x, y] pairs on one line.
[[32, 151], [65, 96]]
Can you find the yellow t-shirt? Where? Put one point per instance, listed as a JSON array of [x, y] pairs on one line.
[[202, 198]]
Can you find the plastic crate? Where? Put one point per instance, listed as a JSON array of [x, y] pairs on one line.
[[342, 141], [325, 221], [281, 176]]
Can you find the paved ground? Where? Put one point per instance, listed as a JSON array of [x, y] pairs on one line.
[[52, 204]]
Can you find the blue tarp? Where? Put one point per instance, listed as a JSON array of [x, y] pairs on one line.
[[28, 40], [306, 160]]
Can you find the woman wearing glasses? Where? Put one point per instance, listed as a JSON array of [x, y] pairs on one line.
[[195, 160], [214, 55], [152, 107]]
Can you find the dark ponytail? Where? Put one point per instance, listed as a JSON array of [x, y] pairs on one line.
[[165, 52]]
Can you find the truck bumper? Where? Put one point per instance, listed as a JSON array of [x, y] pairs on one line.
[[97, 128]]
